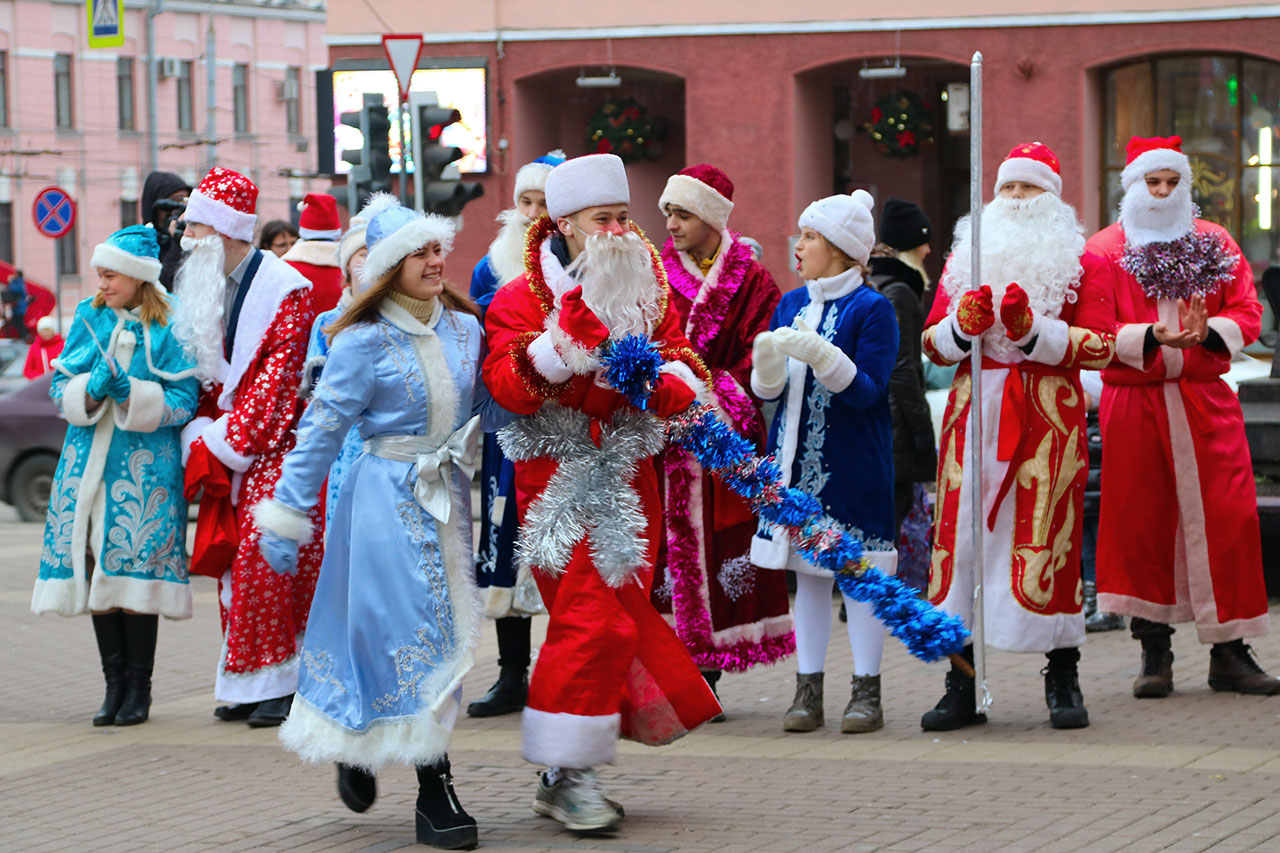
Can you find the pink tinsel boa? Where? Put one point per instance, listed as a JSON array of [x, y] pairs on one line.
[[735, 402], [706, 316]]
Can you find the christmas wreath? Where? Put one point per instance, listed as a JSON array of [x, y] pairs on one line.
[[622, 126], [900, 124]]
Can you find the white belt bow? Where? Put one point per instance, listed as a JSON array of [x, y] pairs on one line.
[[432, 461]]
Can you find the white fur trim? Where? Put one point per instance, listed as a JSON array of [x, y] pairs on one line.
[[1131, 339], [273, 516], [215, 438], [269, 682], [351, 242], [317, 251], [190, 433], [575, 356], [702, 200], [63, 596], [223, 218], [109, 257], [944, 339], [593, 180], [1229, 331], [274, 281], [699, 388], [568, 740], [542, 351], [326, 235], [1029, 171], [311, 365], [1052, 336], [840, 374], [498, 601], [405, 240], [75, 402], [1154, 161], [170, 599], [533, 176], [144, 410]]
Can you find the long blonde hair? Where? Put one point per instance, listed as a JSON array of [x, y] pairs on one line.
[[364, 308], [154, 305]]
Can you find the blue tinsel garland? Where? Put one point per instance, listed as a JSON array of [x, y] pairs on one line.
[[631, 367]]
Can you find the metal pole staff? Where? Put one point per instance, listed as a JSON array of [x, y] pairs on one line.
[[404, 158], [973, 440]]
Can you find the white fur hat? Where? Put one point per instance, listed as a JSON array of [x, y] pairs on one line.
[[845, 220], [533, 176], [593, 180], [351, 242]]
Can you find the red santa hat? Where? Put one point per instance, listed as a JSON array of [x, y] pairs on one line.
[[593, 180], [1033, 163], [225, 201], [704, 191], [319, 220], [1147, 154]]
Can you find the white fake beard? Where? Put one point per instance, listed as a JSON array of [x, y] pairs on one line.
[[1036, 242], [618, 283], [1147, 219], [200, 287], [506, 252]]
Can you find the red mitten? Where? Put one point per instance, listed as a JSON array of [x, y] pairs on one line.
[[975, 313], [670, 396], [1015, 312], [580, 322]]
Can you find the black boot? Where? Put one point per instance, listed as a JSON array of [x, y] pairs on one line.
[[439, 818], [140, 658], [1155, 679], [956, 708], [109, 629], [507, 695], [358, 788], [1095, 620], [1062, 690], [270, 712], [712, 677]]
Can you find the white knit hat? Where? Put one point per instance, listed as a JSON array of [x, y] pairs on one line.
[[593, 180], [351, 242], [533, 176], [846, 222]]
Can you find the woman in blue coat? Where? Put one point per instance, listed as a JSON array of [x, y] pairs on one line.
[[827, 359], [115, 538]]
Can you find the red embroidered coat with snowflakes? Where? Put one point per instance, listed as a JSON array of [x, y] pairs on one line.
[[1178, 536], [247, 424], [729, 613], [610, 663], [1034, 466]]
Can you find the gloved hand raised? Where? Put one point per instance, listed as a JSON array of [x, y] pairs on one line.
[[1015, 312], [975, 313], [280, 553], [670, 396], [100, 380], [118, 387], [768, 363], [808, 346], [580, 322]]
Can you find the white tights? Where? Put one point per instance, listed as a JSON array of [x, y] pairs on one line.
[[813, 627]]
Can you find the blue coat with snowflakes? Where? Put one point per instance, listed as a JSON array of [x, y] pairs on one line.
[[837, 444], [117, 490]]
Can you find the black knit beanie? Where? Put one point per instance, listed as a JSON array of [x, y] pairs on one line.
[[903, 225]]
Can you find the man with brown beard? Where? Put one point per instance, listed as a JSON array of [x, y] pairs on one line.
[[1178, 536], [1044, 312], [245, 315], [587, 490]]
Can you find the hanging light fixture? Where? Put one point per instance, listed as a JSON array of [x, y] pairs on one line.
[[886, 71]]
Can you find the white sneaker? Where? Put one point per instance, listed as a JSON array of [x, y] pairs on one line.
[[578, 802]]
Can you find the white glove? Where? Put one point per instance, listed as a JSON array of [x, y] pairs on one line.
[[768, 366], [809, 347], [545, 359]]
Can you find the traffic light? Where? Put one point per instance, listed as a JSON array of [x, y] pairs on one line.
[[371, 162], [442, 192]]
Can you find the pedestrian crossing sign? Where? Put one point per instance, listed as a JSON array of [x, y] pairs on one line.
[[106, 23]]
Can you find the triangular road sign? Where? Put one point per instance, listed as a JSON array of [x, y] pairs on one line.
[[402, 54]]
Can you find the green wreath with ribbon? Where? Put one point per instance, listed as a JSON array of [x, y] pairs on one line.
[[901, 125], [623, 126]]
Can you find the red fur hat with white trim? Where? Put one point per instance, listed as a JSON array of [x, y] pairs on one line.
[[319, 219], [227, 202], [704, 191], [1033, 163], [1147, 154]]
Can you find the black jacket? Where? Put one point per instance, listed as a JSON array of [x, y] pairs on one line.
[[161, 185], [915, 458]]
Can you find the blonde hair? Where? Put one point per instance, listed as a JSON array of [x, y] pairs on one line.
[[155, 307], [364, 308]]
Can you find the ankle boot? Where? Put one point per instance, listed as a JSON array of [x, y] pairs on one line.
[[1234, 668], [507, 695], [1062, 690], [357, 787], [1155, 680], [712, 677], [140, 656], [863, 713], [109, 630], [805, 713], [439, 818], [957, 707], [1090, 598]]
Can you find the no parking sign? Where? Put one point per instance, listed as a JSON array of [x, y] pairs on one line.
[[54, 212]]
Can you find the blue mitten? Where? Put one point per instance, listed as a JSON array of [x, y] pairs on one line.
[[118, 387], [100, 380], [280, 553]]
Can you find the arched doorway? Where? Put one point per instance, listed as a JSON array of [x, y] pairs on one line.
[[553, 111]]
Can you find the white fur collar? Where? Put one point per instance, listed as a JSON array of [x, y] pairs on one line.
[[826, 289], [406, 322], [319, 253], [553, 272]]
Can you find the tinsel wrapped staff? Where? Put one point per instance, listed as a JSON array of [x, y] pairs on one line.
[[631, 367]]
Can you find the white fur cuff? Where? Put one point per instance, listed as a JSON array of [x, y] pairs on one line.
[[275, 517], [542, 351], [1131, 338], [569, 740], [215, 438], [1229, 331], [575, 356], [839, 375], [944, 339], [189, 434], [145, 408], [75, 402], [1052, 337]]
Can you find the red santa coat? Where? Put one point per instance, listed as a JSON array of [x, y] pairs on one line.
[[317, 260], [247, 423], [730, 614], [610, 664], [1035, 464], [41, 355], [1178, 536]]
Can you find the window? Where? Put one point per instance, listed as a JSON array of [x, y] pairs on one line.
[[128, 212], [291, 94], [68, 261], [240, 96], [4, 88], [185, 107], [6, 232], [124, 92], [1227, 111], [64, 114]]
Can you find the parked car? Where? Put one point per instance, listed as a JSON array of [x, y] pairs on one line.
[[31, 435]]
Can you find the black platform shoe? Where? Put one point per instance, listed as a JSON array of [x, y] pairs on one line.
[[439, 818]]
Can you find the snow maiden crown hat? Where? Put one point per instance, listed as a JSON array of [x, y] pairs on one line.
[[1033, 163], [132, 251], [395, 231], [592, 180], [533, 176], [1147, 154], [704, 191], [319, 219], [227, 202], [845, 220]]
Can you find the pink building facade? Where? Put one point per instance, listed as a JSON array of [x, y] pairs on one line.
[[76, 117]]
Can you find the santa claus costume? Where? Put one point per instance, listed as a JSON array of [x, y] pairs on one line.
[[1178, 538], [587, 489], [1044, 313], [247, 329], [729, 613], [46, 346], [315, 255]]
